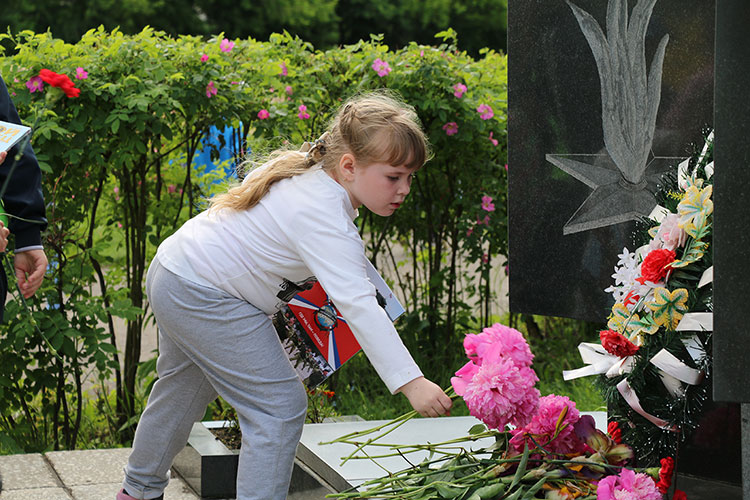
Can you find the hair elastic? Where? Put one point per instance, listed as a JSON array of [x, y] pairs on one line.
[[314, 152]]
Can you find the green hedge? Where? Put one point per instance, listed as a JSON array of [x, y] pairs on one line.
[[117, 183]]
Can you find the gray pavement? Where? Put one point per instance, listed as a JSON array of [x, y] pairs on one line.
[[73, 475]]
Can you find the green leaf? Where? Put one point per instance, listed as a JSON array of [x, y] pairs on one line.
[[536, 487], [446, 491], [107, 347], [477, 429], [521, 467], [490, 491]]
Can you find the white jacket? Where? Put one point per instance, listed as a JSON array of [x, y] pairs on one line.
[[303, 227]]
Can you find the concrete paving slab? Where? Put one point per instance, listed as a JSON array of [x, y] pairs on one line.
[[36, 494], [26, 471], [177, 490], [82, 467]]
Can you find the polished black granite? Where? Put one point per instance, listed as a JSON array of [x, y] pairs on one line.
[[564, 246], [557, 266], [732, 202]]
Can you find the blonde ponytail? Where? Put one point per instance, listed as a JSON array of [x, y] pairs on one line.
[[244, 196], [374, 127]]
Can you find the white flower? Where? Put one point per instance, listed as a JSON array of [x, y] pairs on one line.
[[627, 289]]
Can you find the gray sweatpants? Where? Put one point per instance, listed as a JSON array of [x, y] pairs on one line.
[[212, 343]]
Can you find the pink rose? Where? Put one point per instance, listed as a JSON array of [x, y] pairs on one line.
[[485, 111], [450, 128], [669, 235]]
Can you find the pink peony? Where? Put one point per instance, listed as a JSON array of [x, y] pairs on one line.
[[459, 89], [204, 58], [494, 143], [628, 486], [499, 392], [263, 114], [498, 340], [81, 74], [284, 70], [542, 427], [288, 89], [303, 114]]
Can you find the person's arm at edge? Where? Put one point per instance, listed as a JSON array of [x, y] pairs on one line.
[[24, 199]]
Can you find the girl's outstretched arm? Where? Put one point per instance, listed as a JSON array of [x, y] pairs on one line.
[[426, 397]]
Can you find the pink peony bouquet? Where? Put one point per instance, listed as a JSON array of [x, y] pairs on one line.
[[553, 452], [498, 382], [540, 431]]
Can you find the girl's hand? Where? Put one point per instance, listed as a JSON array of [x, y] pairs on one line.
[[426, 397], [4, 231], [3, 154]]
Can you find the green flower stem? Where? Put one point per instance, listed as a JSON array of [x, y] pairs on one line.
[[441, 447], [404, 417], [393, 424], [32, 321], [398, 423]]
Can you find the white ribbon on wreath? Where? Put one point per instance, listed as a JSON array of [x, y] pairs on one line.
[[673, 372]]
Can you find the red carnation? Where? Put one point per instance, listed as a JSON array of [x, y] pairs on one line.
[[679, 495], [60, 81], [614, 431], [617, 344], [665, 474], [656, 264]]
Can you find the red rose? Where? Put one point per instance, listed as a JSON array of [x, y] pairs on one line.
[[656, 264], [679, 495], [665, 474], [617, 344], [60, 81], [614, 431]]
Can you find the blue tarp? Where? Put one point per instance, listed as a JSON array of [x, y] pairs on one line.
[[211, 143]]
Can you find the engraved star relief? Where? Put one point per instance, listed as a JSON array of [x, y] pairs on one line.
[[624, 180], [614, 199]]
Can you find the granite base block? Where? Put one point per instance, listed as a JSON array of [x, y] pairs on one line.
[[210, 468], [700, 488]]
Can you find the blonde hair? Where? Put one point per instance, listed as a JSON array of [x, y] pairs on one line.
[[374, 127]]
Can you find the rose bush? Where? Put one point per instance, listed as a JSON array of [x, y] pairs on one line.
[[120, 177]]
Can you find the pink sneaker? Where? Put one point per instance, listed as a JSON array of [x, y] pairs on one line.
[[121, 495]]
